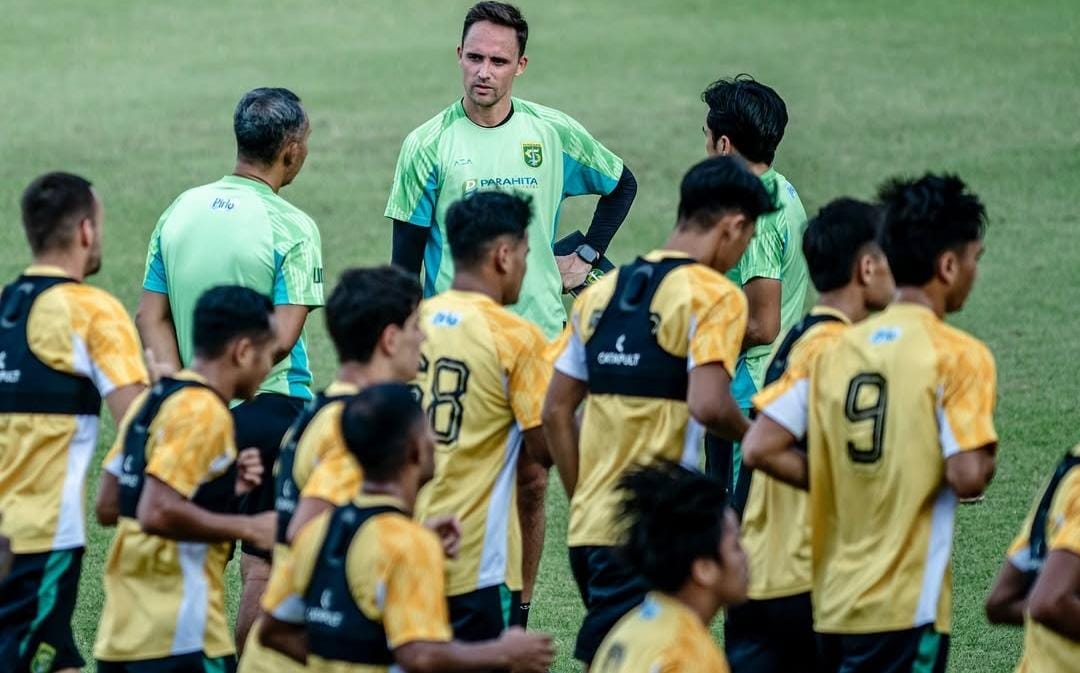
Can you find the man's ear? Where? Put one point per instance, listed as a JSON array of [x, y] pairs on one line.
[[388, 340], [289, 152], [523, 62], [86, 231], [864, 269], [948, 264], [501, 255], [705, 572]]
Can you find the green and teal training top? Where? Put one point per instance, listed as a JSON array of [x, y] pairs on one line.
[[774, 252], [537, 151], [237, 231]]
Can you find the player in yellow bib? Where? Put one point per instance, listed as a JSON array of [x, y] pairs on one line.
[[1039, 583], [483, 377], [65, 346], [773, 632], [366, 580], [900, 427], [684, 540], [177, 491], [650, 349]]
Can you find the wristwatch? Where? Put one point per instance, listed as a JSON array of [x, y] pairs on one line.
[[588, 254]]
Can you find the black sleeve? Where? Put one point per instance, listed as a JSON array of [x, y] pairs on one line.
[[611, 211], [408, 249]]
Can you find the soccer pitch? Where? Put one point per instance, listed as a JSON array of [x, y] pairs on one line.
[[138, 97]]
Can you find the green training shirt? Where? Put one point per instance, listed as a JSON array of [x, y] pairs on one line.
[[774, 252], [537, 151], [237, 231]]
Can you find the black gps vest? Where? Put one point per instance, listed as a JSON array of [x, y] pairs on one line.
[[286, 490], [1037, 536], [28, 385], [623, 356], [216, 495], [777, 366], [337, 629]]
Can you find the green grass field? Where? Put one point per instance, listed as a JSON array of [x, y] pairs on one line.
[[138, 96]]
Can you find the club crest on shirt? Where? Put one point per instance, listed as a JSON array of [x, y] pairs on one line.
[[533, 153]]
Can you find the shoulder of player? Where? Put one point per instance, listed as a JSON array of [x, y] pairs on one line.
[[708, 287], [427, 135], [955, 346], [511, 329], [557, 120], [84, 305], [196, 405], [817, 339], [323, 431], [597, 295], [398, 536]]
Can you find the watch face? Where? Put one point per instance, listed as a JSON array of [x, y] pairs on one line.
[[588, 253]]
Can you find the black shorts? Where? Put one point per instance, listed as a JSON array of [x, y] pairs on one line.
[[37, 601], [262, 422], [195, 662], [485, 613], [609, 590], [771, 636], [919, 650]]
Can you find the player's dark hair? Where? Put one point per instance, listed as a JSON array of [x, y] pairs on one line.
[[749, 113], [51, 207], [229, 312], [836, 237], [501, 14], [676, 517], [721, 185], [364, 303], [376, 425], [265, 119], [925, 217], [474, 222]]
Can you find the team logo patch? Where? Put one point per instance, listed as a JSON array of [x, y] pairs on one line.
[[43, 659], [468, 187], [533, 154]]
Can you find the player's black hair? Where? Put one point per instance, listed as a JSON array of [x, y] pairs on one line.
[[376, 425], [925, 217], [51, 207], [265, 119], [676, 517], [229, 312], [501, 14], [721, 185], [836, 237], [751, 114], [475, 221], [364, 303]]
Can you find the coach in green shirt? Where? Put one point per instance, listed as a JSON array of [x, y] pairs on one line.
[[239, 231], [490, 140], [747, 119]]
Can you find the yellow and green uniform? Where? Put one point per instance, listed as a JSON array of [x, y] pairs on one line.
[[64, 346], [1044, 650], [662, 635], [386, 580], [889, 403], [165, 597], [237, 231], [537, 151], [483, 377]]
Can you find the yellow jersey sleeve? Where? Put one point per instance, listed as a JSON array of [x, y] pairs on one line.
[[968, 385], [414, 608], [289, 578], [1067, 537], [718, 312], [522, 352], [112, 343], [335, 479], [193, 440]]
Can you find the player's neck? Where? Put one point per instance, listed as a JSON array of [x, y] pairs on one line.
[[259, 173], [847, 300], [919, 295], [700, 602], [393, 489], [70, 264], [364, 374], [488, 117], [688, 243], [217, 376], [478, 282]]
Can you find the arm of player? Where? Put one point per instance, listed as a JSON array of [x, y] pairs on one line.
[[711, 404], [307, 509], [771, 448], [107, 502], [611, 211], [120, 399], [289, 322], [1055, 598], [763, 311], [968, 473], [565, 394], [1007, 601], [407, 250], [165, 512], [153, 318], [288, 639], [514, 650]]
